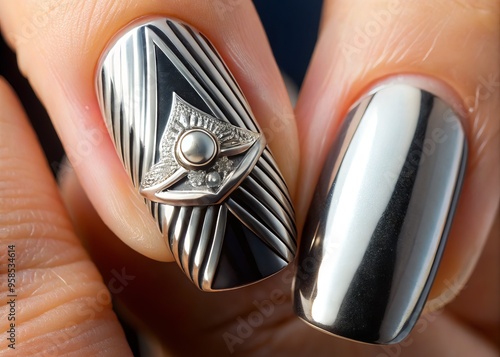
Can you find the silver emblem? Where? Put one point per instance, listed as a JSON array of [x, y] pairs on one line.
[[202, 158]]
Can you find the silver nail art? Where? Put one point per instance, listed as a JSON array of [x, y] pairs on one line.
[[188, 139], [380, 216]]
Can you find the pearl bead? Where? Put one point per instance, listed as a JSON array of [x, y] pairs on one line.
[[213, 179], [197, 147]]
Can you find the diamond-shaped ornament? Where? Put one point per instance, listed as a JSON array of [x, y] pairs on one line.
[[202, 158]]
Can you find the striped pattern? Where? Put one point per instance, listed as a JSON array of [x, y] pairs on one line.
[[128, 94]]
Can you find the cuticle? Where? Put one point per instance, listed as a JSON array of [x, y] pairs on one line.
[[436, 86]]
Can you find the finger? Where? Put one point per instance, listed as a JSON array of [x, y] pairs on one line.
[[64, 80], [56, 300], [450, 49], [254, 320], [477, 304], [160, 300]]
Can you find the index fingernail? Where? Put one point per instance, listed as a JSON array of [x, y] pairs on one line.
[[191, 146]]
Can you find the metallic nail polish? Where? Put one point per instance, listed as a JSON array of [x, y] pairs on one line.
[[191, 146], [380, 216]]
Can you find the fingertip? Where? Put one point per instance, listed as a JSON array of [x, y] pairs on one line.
[[8, 99], [84, 215]]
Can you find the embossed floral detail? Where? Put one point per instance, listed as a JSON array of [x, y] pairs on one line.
[[158, 173], [223, 165], [197, 178]]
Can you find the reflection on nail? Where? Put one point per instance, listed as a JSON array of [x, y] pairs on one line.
[[380, 216], [188, 140]]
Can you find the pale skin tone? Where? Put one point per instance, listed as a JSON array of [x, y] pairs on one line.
[[63, 304]]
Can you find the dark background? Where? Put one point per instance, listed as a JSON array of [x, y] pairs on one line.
[[291, 27]]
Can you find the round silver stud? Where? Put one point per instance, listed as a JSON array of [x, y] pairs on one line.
[[213, 179], [196, 148]]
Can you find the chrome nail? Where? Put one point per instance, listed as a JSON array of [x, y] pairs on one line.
[[380, 216]]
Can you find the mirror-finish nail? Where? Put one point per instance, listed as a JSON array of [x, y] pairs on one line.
[[380, 216]]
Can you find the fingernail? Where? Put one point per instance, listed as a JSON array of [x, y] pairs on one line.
[[191, 146], [380, 216]]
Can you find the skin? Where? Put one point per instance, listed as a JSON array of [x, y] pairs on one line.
[[64, 304]]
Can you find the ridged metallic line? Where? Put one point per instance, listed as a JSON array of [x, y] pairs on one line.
[[190, 238], [137, 86], [185, 72], [122, 70], [264, 180], [105, 95], [151, 107], [259, 210], [116, 104], [117, 119], [167, 218], [151, 119], [272, 200], [212, 257], [264, 232], [270, 166], [215, 59], [265, 198], [179, 232], [206, 234], [216, 90], [161, 217], [218, 80], [267, 170], [130, 100]]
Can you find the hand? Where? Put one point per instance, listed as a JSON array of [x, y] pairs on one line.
[[62, 302]]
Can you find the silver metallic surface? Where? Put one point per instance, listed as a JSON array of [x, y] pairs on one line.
[[380, 216], [197, 148], [189, 142], [176, 180]]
